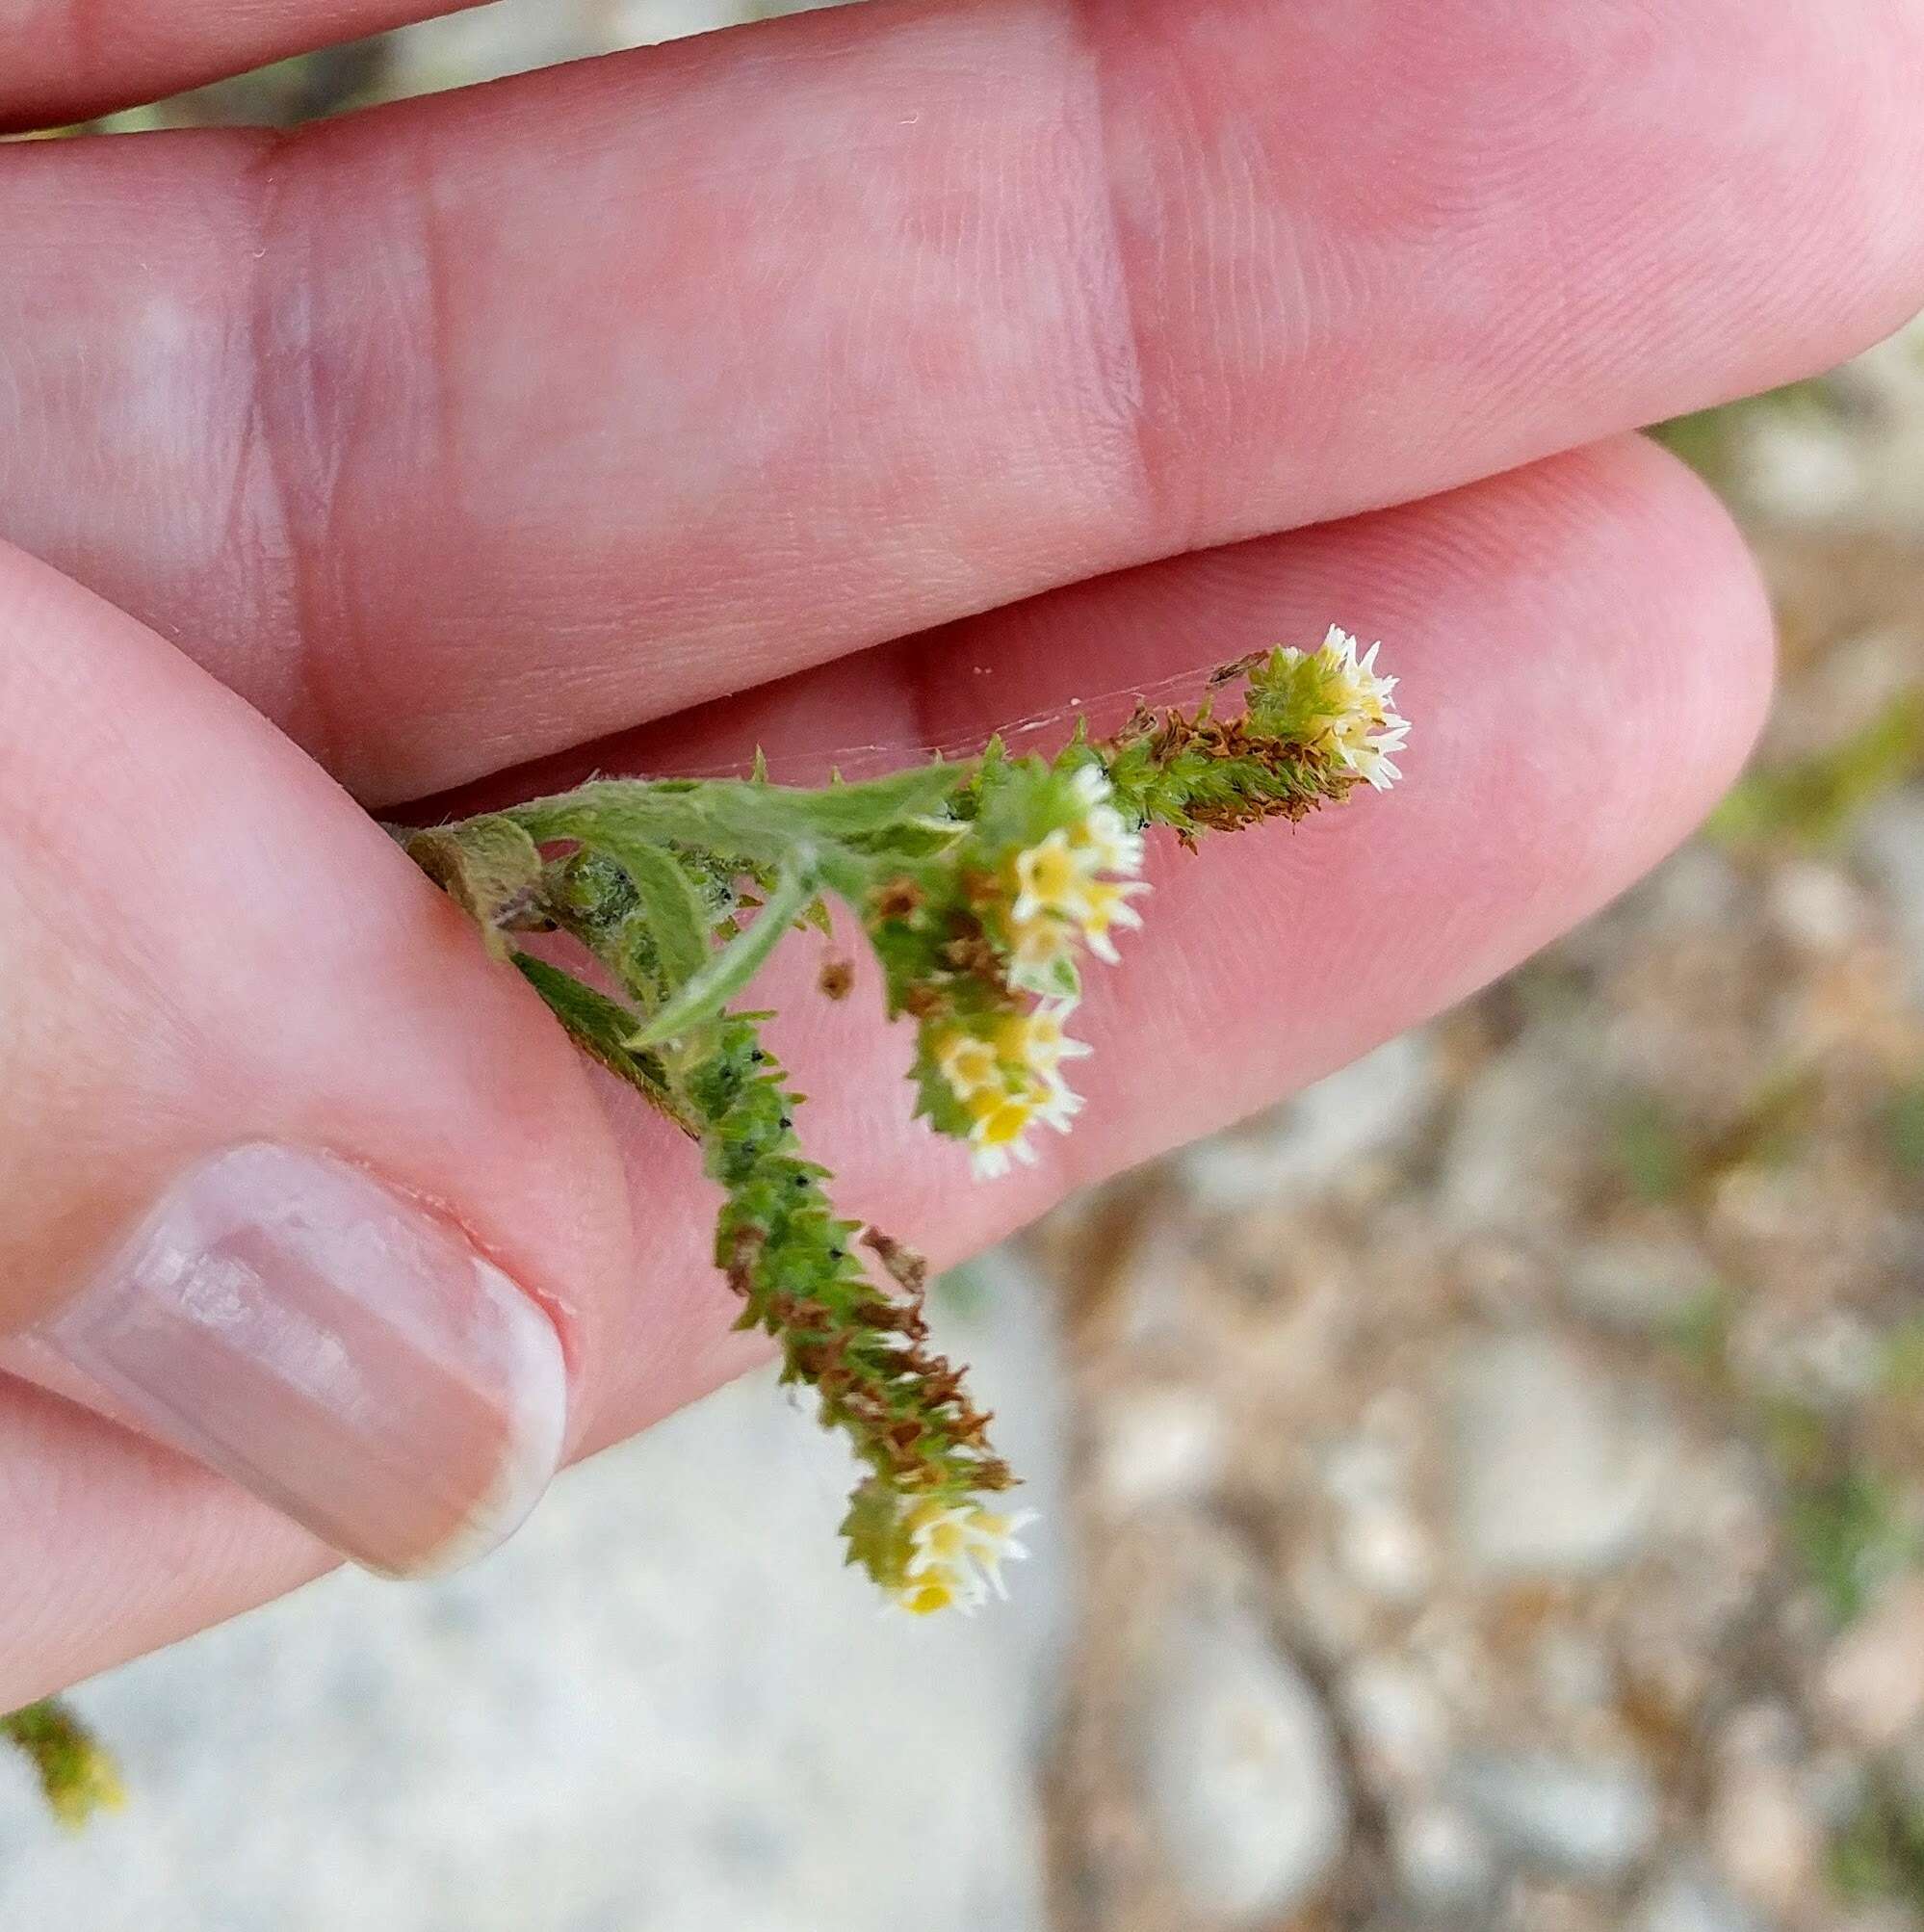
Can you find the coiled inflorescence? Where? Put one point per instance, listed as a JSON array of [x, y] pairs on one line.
[[984, 889]]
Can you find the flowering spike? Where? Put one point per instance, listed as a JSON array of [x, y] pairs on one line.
[[984, 887]]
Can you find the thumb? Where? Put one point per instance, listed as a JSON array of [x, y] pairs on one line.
[[292, 1178]]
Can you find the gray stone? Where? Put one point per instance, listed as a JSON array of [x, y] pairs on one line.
[[1324, 1130], [1158, 1446], [1689, 1900], [1566, 1819], [1860, 465], [664, 1704], [1557, 1465], [1379, 1542], [1443, 1861], [1637, 1285], [1872, 1683], [1239, 1768], [1513, 1156], [1397, 1723], [1818, 908], [1892, 844], [1764, 1830]]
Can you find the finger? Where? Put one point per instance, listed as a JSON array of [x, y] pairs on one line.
[[291, 1176], [473, 427], [1585, 651], [69, 60]]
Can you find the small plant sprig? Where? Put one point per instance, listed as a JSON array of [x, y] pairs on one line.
[[980, 886], [76, 1774]]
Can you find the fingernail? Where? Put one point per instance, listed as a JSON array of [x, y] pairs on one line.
[[334, 1348]]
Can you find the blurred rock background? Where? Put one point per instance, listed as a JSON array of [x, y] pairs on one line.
[[1487, 1493]]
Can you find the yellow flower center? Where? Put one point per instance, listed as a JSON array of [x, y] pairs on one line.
[[925, 1595], [1042, 941], [1032, 1041], [968, 1064], [1100, 906], [1050, 874], [1001, 1119]]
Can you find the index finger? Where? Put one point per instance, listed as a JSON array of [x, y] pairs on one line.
[[469, 429]]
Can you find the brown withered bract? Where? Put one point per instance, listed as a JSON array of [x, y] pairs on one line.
[[924, 1002], [898, 899], [976, 956], [905, 1267]]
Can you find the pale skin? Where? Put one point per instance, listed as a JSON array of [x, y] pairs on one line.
[[869, 377]]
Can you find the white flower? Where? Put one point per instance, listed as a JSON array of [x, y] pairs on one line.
[[1107, 844], [1035, 1042], [1050, 880], [1371, 762], [1002, 1121], [1060, 898], [1058, 1106], [957, 1553], [1006, 1077], [968, 1063], [1089, 785], [1358, 712], [1362, 718], [1042, 956], [1102, 842], [1069, 887], [1109, 907]]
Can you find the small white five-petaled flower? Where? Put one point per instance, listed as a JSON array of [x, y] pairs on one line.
[[957, 1553]]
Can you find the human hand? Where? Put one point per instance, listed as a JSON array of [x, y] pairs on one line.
[[867, 378]]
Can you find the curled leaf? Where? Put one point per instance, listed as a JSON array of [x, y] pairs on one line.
[[490, 867], [737, 962]]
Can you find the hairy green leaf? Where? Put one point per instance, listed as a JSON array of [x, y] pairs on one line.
[[679, 920], [601, 1027], [737, 962]]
